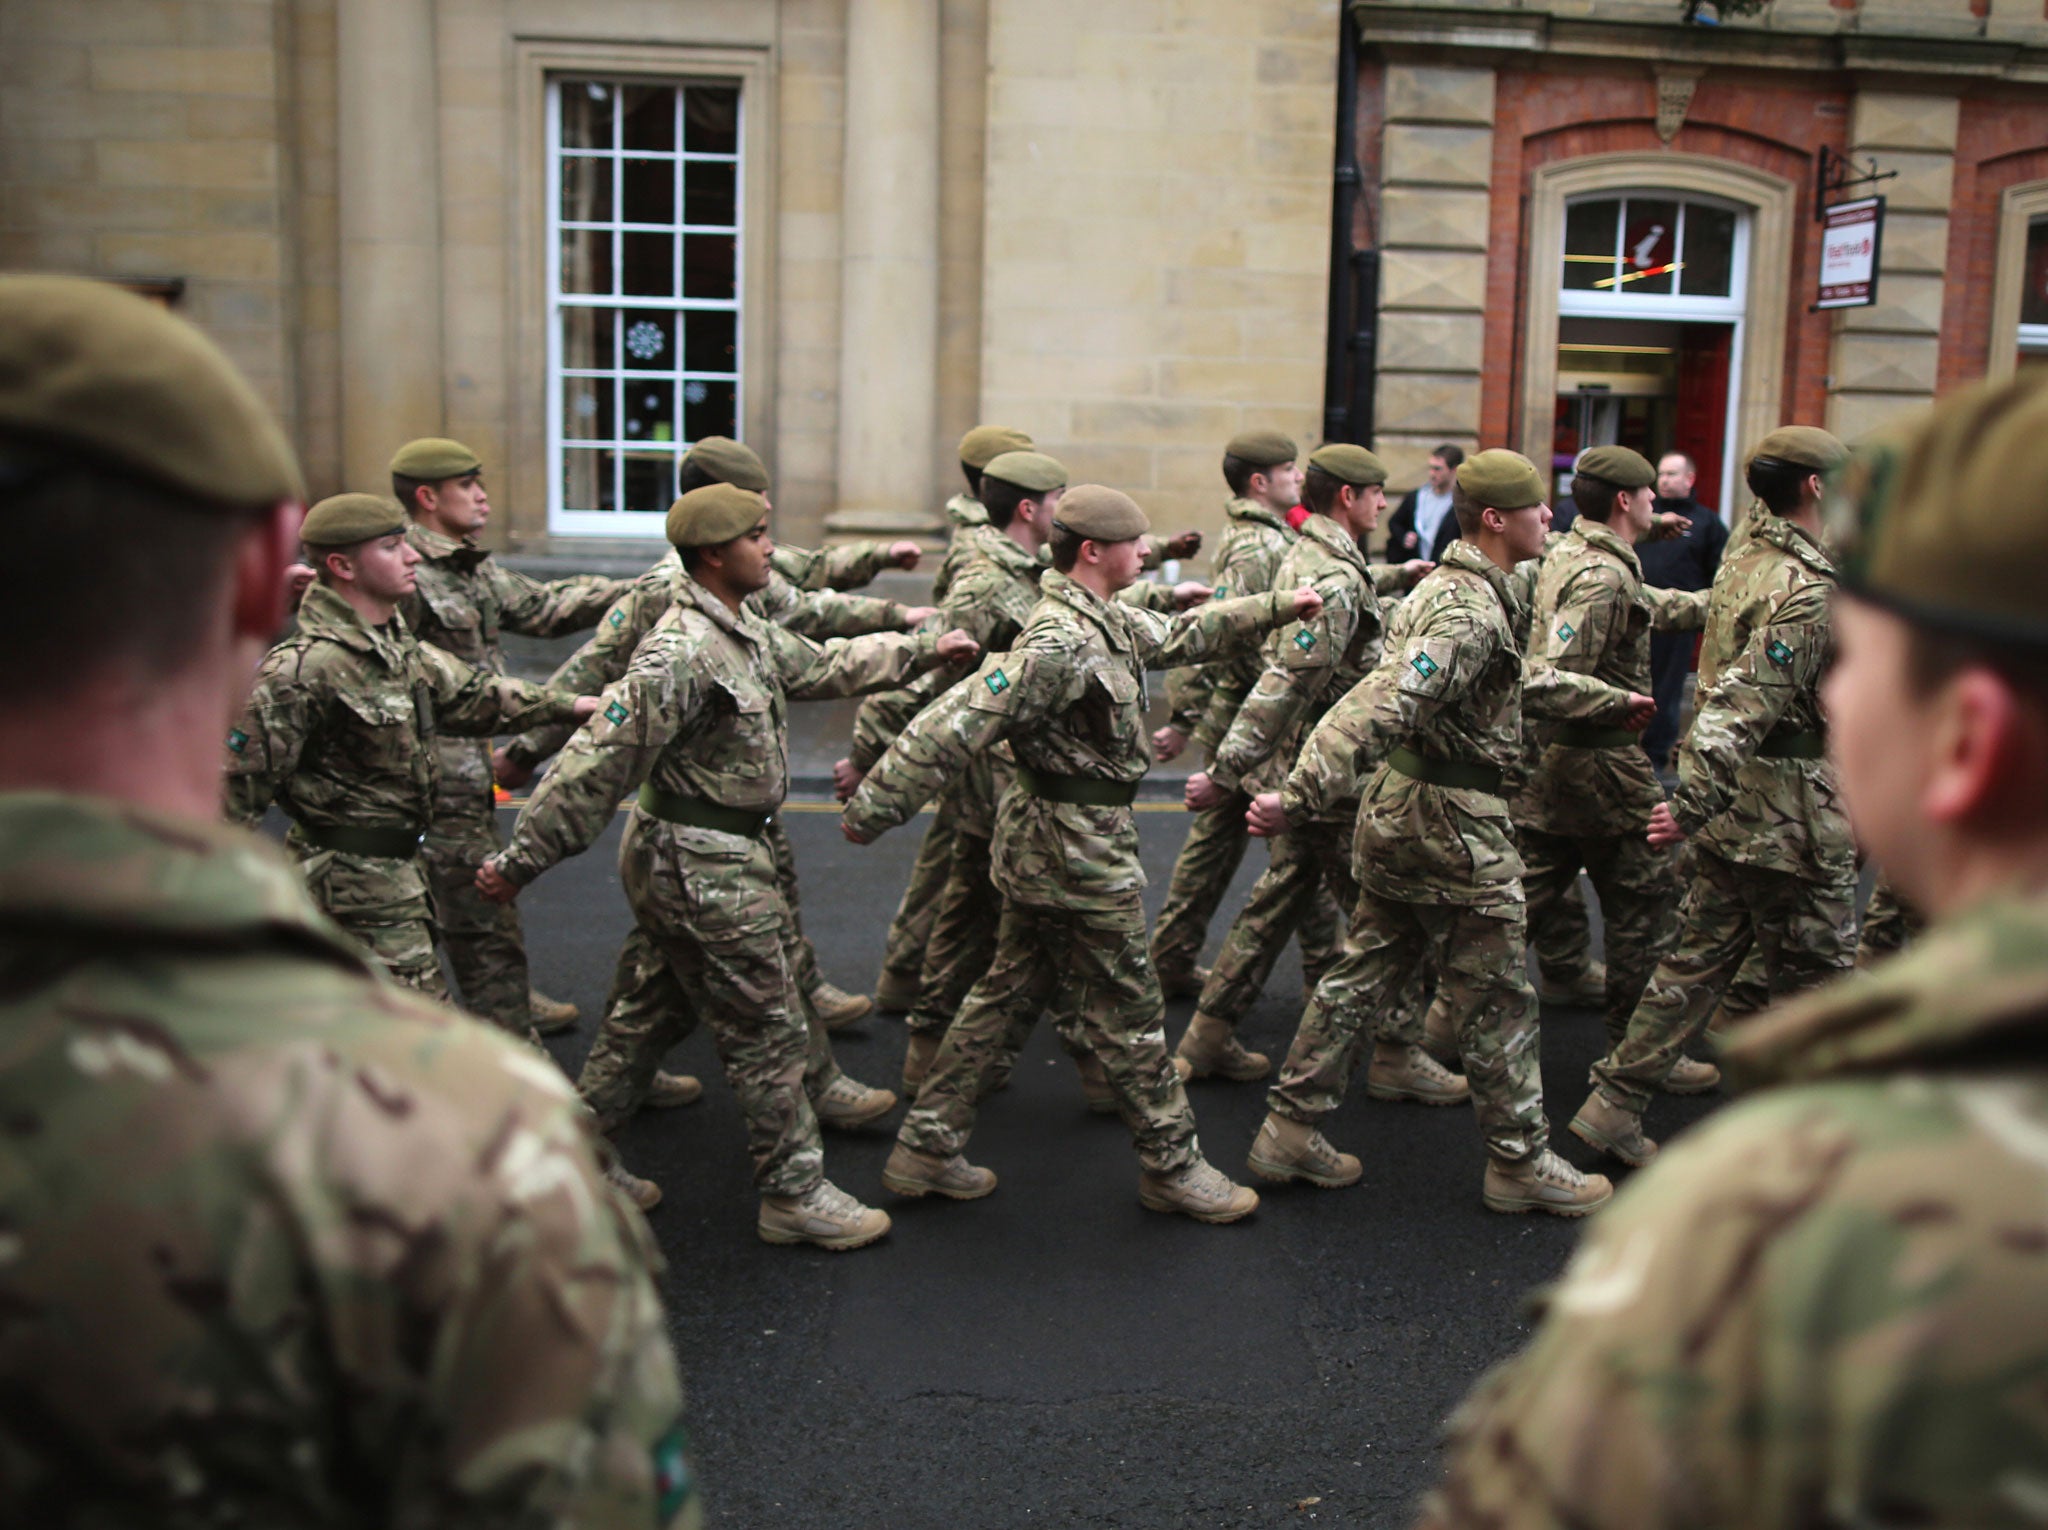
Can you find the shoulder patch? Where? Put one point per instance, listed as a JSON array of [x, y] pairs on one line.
[[617, 617], [1566, 632], [1304, 640], [614, 713], [673, 1482], [1221, 592], [237, 740], [1424, 666], [1779, 653], [997, 683]]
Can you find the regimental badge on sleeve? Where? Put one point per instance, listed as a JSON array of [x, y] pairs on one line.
[[238, 741], [1779, 652], [614, 713]]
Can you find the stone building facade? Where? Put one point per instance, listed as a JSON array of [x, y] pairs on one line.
[[576, 233]]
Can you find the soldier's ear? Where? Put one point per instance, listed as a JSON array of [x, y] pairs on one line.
[[267, 548]]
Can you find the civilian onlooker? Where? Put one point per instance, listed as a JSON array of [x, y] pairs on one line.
[[1424, 526], [1681, 563]]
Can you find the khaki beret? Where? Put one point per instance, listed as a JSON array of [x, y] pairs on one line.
[[1942, 518], [715, 514], [1499, 479], [729, 461], [101, 373], [431, 459], [342, 520], [1349, 464], [1100, 514], [1617, 465], [1033, 472], [1802, 446], [983, 444], [1261, 448]]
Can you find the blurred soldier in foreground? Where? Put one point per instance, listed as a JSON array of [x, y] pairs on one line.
[[281, 1242], [1828, 1304]]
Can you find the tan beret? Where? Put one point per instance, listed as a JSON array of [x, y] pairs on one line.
[[1802, 446], [715, 514], [432, 459], [342, 520], [1033, 472], [1499, 479], [1617, 465], [1945, 517], [1261, 448], [983, 444], [99, 372], [725, 460], [1349, 464], [1100, 514]]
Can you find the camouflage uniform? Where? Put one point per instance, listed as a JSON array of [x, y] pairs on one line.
[[1069, 698], [1591, 791], [1439, 876], [1827, 1304], [697, 724], [284, 1243], [342, 732], [463, 600], [1774, 862], [1306, 667], [1890, 924]]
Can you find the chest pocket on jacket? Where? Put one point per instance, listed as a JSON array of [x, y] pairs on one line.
[[1121, 700], [754, 722], [456, 616], [386, 724]]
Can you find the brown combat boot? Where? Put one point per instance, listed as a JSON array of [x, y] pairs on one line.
[[824, 1215], [644, 1193], [837, 1009], [1095, 1090], [1287, 1149], [917, 1059], [846, 1104], [909, 1172], [1210, 1046], [1183, 982], [1613, 1129], [668, 1090], [1440, 1031], [896, 992], [551, 1017], [1199, 1190], [1691, 1076], [1409, 1073], [1586, 990], [1544, 1183]]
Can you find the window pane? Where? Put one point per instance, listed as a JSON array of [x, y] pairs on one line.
[[650, 409], [708, 410], [650, 340], [1649, 246], [2034, 294], [649, 187], [586, 189], [649, 266], [586, 260], [1589, 243], [708, 265], [708, 194], [650, 481], [1709, 251], [587, 409], [587, 338], [712, 124], [650, 117], [586, 115], [587, 480], [709, 342]]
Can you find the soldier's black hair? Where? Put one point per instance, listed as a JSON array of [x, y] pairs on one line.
[[1001, 499], [1467, 509], [973, 476], [1319, 489], [1779, 484], [1238, 474], [1594, 496], [1065, 547], [403, 489], [1935, 655], [691, 475]]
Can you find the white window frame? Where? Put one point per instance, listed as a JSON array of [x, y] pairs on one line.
[[2019, 208], [563, 521]]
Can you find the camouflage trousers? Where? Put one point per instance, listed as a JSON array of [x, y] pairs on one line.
[[1889, 925], [710, 905], [1480, 957], [903, 954], [1805, 932], [804, 959], [962, 937], [384, 904], [1639, 892], [1209, 858], [484, 941], [1562, 937], [1113, 994], [1305, 891]]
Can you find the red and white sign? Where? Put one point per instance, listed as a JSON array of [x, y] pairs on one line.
[[1851, 234]]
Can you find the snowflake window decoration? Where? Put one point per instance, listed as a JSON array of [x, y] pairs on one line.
[[645, 340], [695, 392]]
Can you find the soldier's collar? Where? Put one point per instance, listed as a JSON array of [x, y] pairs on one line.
[[1238, 508], [966, 510], [742, 623], [324, 614], [1791, 537], [1002, 550], [1339, 541], [1601, 535], [1465, 555], [438, 547]]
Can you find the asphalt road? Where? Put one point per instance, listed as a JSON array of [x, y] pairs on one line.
[[1055, 1354]]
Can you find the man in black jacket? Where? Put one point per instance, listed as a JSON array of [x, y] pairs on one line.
[[1685, 562], [1424, 526]]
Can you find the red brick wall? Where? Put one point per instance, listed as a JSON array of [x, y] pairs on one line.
[[1998, 145]]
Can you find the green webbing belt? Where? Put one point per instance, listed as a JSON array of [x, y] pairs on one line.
[[1586, 736], [1471, 778], [696, 813], [1793, 744], [392, 844], [1079, 791]]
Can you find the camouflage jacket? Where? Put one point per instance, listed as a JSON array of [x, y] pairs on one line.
[[847, 566], [1593, 615], [341, 728], [1069, 697], [1827, 1304], [964, 513], [1452, 689], [700, 712], [1307, 665], [1247, 556], [465, 598], [1766, 647], [813, 614], [282, 1243]]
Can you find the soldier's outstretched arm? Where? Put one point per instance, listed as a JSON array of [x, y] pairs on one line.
[[264, 744], [1676, 610], [1216, 628], [881, 661], [553, 607], [823, 614], [601, 659], [847, 566], [474, 703], [1299, 660]]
